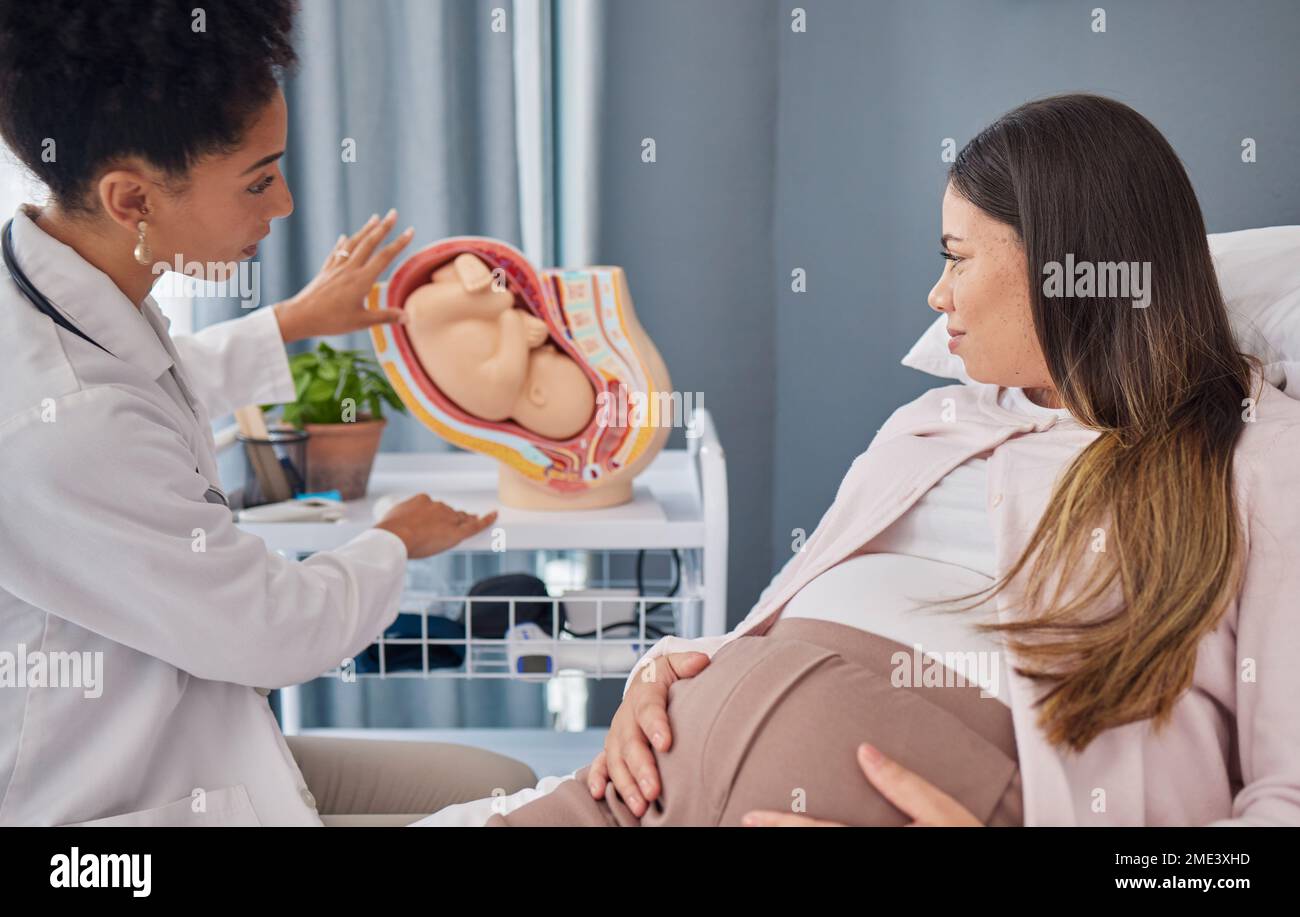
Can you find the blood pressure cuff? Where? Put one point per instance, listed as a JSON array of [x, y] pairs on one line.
[[492, 619]]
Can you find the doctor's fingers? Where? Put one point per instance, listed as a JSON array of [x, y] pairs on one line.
[[472, 524], [333, 258], [384, 257], [343, 254], [367, 227], [370, 239], [382, 317]]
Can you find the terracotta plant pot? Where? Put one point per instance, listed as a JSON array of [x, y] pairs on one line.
[[340, 455]]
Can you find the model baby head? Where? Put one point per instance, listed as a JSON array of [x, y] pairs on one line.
[[492, 357]]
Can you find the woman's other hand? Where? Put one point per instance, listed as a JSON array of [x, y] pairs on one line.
[[928, 806], [428, 527], [641, 721], [335, 301]]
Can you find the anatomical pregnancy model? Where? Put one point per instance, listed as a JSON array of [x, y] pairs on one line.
[[493, 359], [528, 368]]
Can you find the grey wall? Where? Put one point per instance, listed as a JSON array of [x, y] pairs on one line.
[[821, 150], [693, 229]]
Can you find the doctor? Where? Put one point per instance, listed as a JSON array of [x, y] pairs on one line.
[[140, 630]]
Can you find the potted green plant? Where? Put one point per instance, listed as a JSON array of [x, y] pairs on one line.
[[340, 403]]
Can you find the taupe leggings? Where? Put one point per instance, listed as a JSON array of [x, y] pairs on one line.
[[774, 722], [381, 783]]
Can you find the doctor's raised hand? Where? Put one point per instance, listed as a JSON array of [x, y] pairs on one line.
[[334, 301]]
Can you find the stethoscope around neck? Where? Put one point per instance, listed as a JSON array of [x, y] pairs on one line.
[[43, 305], [35, 296]]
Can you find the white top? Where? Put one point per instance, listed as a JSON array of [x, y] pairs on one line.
[[113, 560], [942, 547]]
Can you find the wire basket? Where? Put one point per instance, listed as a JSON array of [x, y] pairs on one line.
[[605, 609]]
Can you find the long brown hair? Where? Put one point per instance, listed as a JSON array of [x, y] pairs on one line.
[[1163, 385]]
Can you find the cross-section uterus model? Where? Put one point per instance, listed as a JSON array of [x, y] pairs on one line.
[[549, 372]]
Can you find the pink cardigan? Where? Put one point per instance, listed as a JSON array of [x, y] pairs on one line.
[[1230, 754]]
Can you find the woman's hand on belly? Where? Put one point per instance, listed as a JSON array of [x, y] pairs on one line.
[[929, 806], [640, 721]]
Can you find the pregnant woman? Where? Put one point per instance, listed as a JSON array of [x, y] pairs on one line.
[[1107, 508]]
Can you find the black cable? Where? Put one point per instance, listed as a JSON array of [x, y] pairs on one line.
[[640, 578], [650, 629]]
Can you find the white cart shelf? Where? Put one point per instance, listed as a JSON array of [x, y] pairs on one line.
[[679, 505]]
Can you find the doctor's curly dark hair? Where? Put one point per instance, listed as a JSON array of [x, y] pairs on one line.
[[83, 84]]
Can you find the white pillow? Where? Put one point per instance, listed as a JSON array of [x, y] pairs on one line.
[[1259, 274]]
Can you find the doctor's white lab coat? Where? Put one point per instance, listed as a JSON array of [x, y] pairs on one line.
[[110, 544]]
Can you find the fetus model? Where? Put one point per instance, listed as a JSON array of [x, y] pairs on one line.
[[494, 360], [536, 370]]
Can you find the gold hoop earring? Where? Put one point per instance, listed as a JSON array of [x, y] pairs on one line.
[[143, 254]]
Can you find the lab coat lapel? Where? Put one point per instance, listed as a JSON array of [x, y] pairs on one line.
[[87, 297], [205, 452], [92, 301], [161, 326]]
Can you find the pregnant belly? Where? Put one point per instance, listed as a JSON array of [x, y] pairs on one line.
[[883, 594], [776, 719]]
